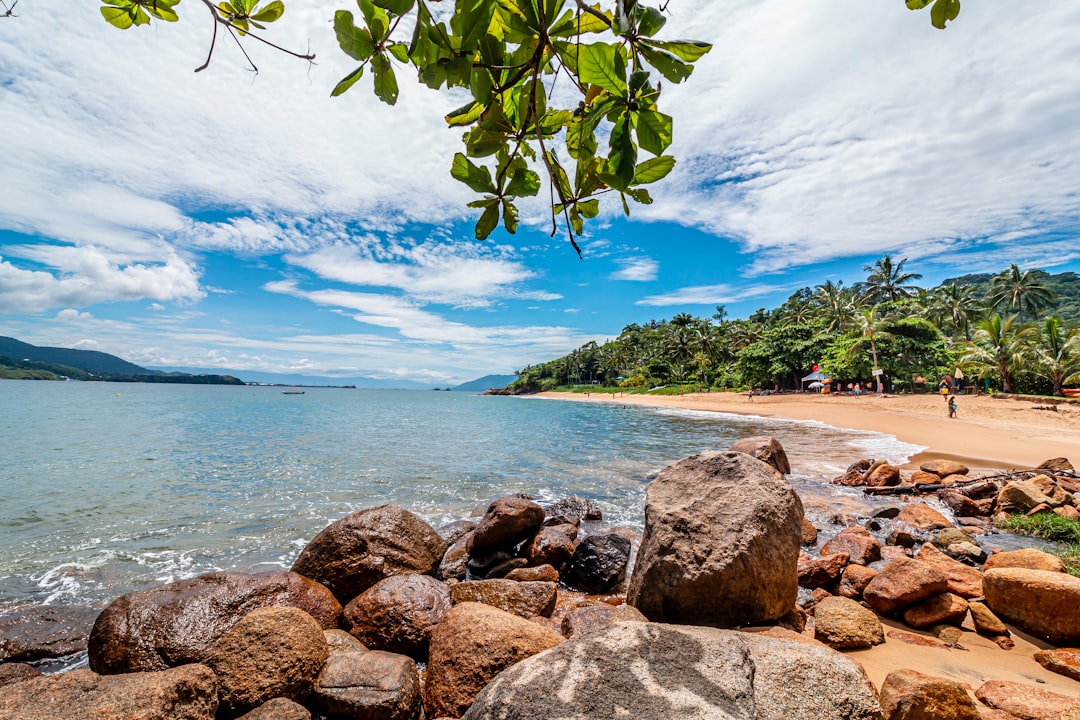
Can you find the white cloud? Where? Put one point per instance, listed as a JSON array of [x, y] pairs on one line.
[[709, 295], [639, 269]]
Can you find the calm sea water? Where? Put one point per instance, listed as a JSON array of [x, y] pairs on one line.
[[111, 487]]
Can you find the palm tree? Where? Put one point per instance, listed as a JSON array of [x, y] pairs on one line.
[[886, 281], [870, 325], [999, 347], [1057, 356], [1020, 291], [705, 345], [957, 306], [837, 302]]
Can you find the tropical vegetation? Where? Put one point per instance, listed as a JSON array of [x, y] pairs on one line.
[[1000, 332]]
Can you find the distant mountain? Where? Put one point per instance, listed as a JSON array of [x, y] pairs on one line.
[[88, 360], [488, 381], [265, 378]]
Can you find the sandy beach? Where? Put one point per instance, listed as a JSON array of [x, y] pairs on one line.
[[988, 433]]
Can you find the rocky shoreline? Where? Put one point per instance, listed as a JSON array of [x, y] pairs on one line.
[[728, 605]]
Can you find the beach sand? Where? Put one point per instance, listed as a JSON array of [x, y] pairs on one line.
[[988, 433]]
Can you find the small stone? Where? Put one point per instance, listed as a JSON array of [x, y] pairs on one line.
[[966, 552], [944, 608], [1024, 701], [923, 517], [901, 583], [809, 533], [822, 571], [1063, 661], [911, 695], [860, 545], [840, 622], [986, 622], [944, 468], [540, 573], [854, 580]]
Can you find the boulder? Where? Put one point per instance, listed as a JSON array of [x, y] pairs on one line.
[[944, 468], [454, 531], [398, 613], [950, 536], [1050, 489], [943, 609], [1019, 496], [851, 478], [272, 652], [765, 448], [901, 537], [923, 517], [1027, 558], [840, 622], [985, 621], [506, 522], [892, 552], [911, 695], [360, 549], [854, 580], [964, 580], [372, 685], [278, 709], [1068, 511], [651, 670], [473, 644], [17, 672], [49, 631], [809, 533], [576, 507], [524, 599], [184, 693], [1063, 661], [966, 552], [960, 504], [921, 476], [1057, 465], [178, 623], [1043, 603], [593, 617], [820, 572], [599, 563], [341, 641], [721, 543], [1026, 702], [552, 545], [884, 475], [860, 545], [901, 583], [540, 573], [455, 561]]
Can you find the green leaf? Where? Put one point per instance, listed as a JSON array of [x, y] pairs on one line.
[[640, 195], [117, 17], [602, 64], [471, 20], [653, 169], [477, 177], [510, 216], [580, 23], [465, 115], [650, 20], [481, 86], [400, 51], [669, 66], [271, 12], [386, 87], [654, 131], [943, 11], [917, 4], [688, 50], [396, 7], [481, 142], [525, 183], [347, 82], [163, 11], [622, 160], [356, 42], [487, 222], [589, 208]]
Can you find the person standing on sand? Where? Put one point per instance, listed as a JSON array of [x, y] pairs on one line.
[[750, 395], [952, 406]]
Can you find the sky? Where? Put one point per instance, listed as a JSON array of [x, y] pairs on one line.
[[250, 222]]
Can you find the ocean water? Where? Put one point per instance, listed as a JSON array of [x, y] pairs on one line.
[[109, 488]]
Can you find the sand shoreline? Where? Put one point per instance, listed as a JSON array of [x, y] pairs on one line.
[[988, 432]]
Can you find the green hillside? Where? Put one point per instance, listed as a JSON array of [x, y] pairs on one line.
[[1065, 287], [89, 360]]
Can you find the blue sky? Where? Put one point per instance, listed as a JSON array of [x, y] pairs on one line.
[[223, 220]]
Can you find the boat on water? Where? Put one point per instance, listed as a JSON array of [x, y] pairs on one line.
[[292, 391]]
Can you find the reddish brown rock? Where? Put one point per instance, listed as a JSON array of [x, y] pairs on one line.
[[893, 552], [50, 631], [765, 448], [184, 693], [1068, 512], [809, 533], [1020, 496], [341, 641], [911, 695], [1027, 558], [359, 550], [272, 652], [1061, 465], [921, 476], [860, 545], [883, 476], [851, 478], [854, 580], [923, 517], [986, 622], [576, 508], [964, 580], [1043, 603], [278, 709], [398, 613], [962, 505], [901, 583], [472, 644], [943, 609], [1027, 702], [840, 622], [552, 545], [372, 685], [17, 672], [506, 522], [179, 622], [822, 571], [944, 468], [590, 618], [1063, 661], [540, 573], [523, 599]]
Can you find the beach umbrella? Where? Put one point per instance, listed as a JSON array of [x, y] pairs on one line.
[[814, 385]]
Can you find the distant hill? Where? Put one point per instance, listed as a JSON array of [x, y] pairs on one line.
[[488, 381], [265, 378], [89, 360], [1066, 286]]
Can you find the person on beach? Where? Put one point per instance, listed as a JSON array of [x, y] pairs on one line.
[[952, 406], [750, 395], [857, 390]]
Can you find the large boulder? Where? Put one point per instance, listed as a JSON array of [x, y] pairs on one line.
[[923, 517], [587, 618], [398, 613], [1026, 702], [1043, 603], [278, 709], [507, 521], [599, 563], [1027, 558], [178, 623], [1063, 661], [963, 580], [652, 670], [1019, 496], [272, 652], [360, 549], [17, 672], [473, 644], [721, 543], [372, 685], [50, 631], [765, 448], [912, 695], [942, 609], [840, 622], [858, 542], [525, 599], [901, 583], [183, 693]]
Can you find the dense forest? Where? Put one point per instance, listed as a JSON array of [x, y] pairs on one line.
[[1015, 331]]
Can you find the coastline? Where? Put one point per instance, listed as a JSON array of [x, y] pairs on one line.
[[989, 433]]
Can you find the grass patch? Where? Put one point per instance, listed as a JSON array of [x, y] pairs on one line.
[[1055, 528]]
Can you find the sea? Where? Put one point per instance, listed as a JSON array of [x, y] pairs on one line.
[[112, 487]]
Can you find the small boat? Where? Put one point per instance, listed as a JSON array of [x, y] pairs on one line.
[[292, 391]]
